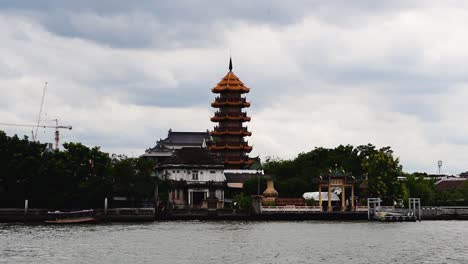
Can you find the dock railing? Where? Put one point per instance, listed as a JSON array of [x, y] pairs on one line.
[[290, 209], [378, 212]]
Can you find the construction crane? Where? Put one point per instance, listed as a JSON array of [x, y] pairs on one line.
[[34, 131], [56, 127]]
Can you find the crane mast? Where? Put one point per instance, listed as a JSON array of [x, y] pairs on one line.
[[38, 124], [34, 134]]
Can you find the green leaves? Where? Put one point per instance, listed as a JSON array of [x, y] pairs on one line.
[[294, 177], [77, 177]]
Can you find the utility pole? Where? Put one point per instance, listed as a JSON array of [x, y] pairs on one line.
[[439, 164]]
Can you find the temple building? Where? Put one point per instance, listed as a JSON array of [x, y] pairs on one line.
[[174, 141], [196, 178], [229, 134]]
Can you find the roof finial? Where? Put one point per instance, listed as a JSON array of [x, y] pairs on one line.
[[230, 64]]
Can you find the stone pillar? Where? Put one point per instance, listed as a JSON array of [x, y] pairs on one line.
[[105, 206], [189, 197], [26, 207], [343, 198], [352, 197], [329, 198], [320, 197], [257, 204]]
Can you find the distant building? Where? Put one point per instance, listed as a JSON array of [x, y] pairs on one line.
[[196, 178], [450, 184], [176, 140]]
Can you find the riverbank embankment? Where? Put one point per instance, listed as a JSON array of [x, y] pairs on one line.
[[150, 214]]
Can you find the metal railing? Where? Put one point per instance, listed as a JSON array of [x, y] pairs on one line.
[[219, 114], [232, 100], [290, 209], [229, 129]]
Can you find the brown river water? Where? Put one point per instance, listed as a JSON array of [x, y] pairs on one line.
[[237, 242]]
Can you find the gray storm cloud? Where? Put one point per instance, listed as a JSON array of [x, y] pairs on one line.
[[322, 74]]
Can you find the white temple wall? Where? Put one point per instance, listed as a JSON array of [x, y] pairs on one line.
[[202, 175]]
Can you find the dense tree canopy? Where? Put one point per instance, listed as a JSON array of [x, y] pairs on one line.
[[375, 168], [366, 163], [76, 177]]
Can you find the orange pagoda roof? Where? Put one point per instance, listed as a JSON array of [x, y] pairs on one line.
[[230, 83]]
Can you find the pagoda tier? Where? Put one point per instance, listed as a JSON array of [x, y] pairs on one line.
[[220, 102], [238, 163], [232, 146], [229, 134], [230, 116], [231, 131]]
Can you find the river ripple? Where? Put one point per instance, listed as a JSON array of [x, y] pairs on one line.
[[237, 242]]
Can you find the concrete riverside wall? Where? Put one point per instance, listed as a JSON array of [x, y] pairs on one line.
[[113, 214], [149, 214], [18, 215], [444, 213]]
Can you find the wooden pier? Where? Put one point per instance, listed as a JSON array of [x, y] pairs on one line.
[[377, 212]]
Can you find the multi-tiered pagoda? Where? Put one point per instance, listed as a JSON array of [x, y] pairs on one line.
[[229, 134]]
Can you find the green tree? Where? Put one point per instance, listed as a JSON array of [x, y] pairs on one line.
[[76, 177], [383, 170], [417, 186], [301, 174], [250, 186]]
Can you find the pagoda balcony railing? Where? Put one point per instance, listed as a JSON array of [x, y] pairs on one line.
[[218, 114], [226, 144], [232, 100], [230, 129]]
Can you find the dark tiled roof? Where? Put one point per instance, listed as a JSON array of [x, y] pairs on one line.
[[193, 156], [447, 185], [189, 138], [240, 177], [257, 165]]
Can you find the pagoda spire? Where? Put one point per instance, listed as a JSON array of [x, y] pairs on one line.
[[230, 64]]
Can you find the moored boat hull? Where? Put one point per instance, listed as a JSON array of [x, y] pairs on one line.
[[83, 220]]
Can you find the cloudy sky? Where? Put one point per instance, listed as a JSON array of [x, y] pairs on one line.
[[321, 73]]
